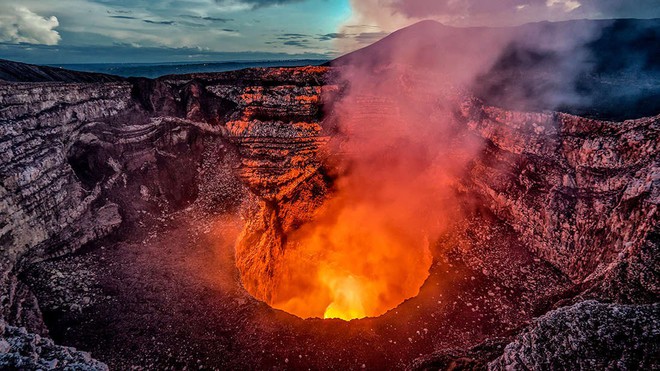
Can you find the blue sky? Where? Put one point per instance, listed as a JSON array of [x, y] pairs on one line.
[[70, 31], [97, 31]]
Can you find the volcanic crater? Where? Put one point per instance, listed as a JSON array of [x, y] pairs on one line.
[[189, 222]]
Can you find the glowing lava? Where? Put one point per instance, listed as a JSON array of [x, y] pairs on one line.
[[348, 296], [351, 263]]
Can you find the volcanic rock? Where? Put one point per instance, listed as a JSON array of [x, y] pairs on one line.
[[587, 336], [21, 350]]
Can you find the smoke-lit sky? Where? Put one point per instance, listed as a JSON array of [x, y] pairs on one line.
[[87, 31]]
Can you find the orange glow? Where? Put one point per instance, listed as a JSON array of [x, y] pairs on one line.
[[359, 245], [359, 258]]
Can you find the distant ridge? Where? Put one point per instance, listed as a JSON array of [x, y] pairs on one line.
[[156, 70], [22, 72], [11, 71], [620, 33], [611, 71]]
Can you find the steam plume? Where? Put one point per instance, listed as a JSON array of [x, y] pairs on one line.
[[401, 146]]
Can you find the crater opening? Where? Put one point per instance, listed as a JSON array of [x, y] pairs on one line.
[[351, 235], [348, 263]]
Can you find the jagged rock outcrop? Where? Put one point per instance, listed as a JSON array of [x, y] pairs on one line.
[[586, 336], [46, 210], [279, 137]]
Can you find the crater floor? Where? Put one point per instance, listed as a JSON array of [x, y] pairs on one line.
[[169, 296]]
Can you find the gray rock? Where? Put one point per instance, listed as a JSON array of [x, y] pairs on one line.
[[27, 351], [587, 336]]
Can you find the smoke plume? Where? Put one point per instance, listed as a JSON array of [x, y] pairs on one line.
[[401, 144], [398, 150]]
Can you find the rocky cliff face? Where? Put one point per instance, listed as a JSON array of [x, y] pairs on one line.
[[84, 161], [581, 192], [46, 209]]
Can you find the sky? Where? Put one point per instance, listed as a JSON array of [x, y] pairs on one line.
[[135, 31]]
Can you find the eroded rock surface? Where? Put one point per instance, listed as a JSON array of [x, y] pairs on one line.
[[587, 336], [581, 192], [21, 350]]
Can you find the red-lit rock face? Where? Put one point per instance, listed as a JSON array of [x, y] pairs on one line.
[[315, 218], [346, 236]]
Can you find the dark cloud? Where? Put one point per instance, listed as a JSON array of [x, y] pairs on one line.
[[305, 41], [121, 17], [332, 36], [254, 4], [297, 43], [158, 22], [294, 35], [210, 19]]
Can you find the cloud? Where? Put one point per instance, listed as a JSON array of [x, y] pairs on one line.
[[390, 15], [293, 36], [254, 4], [121, 17], [567, 5], [332, 36], [456, 11], [297, 43], [210, 19], [469, 8], [20, 25], [158, 22]]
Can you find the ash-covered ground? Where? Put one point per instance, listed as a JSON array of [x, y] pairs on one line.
[[170, 296]]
